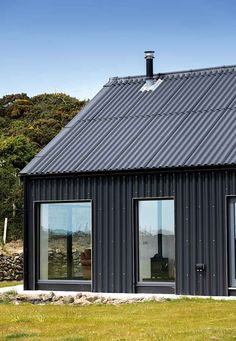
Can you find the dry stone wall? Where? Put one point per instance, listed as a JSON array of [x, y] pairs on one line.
[[78, 299], [11, 267]]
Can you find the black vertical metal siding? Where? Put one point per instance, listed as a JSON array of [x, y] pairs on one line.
[[201, 231]]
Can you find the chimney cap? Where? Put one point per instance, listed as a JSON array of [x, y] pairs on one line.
[[149, 54]]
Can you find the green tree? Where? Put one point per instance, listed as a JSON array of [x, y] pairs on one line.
[[17, 151], [27, 124], [11, 201]]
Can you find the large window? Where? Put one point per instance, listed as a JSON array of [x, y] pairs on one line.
[[232, 241], [156, 240], [65, 241]]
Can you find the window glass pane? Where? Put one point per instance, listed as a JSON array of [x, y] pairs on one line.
[[156, 240], [234, 242], [65, 241]]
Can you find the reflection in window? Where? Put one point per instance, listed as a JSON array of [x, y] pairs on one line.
[[65, 241], [156, 240]]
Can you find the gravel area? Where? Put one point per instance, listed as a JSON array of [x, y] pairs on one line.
[[17, 295]]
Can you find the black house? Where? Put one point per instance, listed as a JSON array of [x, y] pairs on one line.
[[138, 192]]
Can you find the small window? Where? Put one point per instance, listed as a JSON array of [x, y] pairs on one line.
[[156, 240], [65, 241]]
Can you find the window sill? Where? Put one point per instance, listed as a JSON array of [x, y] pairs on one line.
[[155, 288], [154, 284], [68, 281], [64, 285]]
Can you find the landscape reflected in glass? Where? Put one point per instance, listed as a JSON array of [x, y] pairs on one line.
[[156, 240], [65, 241]]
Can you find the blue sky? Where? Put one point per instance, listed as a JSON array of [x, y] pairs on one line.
[[74, 46]]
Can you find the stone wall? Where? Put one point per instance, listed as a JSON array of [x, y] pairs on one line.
[[11, 267], [80, 298], [56, 264]]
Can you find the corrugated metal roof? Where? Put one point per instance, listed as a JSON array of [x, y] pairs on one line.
[[188, 120]]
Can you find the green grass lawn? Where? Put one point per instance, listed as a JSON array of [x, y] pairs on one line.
[[169, 320], [9, 284]]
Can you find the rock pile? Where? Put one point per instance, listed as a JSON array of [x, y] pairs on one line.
[[79, 299], [11, 267]]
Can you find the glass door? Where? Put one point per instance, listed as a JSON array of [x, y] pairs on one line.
[[232, 242], [156, 241]]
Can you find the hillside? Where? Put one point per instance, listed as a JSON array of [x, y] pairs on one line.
[[27, 124]]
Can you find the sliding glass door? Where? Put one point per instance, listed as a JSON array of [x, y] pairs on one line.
[[156, 241]]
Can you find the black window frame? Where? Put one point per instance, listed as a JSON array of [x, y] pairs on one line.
[[168, 287], [59, 284], [231, 263]]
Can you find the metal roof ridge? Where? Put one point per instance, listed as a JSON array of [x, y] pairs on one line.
[[172, 73]]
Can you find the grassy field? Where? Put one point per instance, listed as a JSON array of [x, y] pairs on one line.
[[9, 284], [170, 320]]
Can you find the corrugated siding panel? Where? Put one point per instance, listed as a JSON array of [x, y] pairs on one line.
[[199, 215], [187, 121]]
